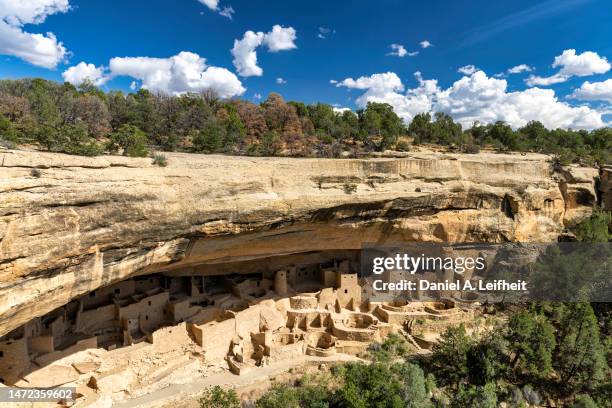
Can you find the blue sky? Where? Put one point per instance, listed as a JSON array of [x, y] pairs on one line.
[[491, 36]]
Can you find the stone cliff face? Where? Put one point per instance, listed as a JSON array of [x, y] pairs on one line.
[[84, 223]]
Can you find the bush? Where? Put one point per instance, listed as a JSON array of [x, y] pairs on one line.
[[475, 397], [393, 347], [35, 173], [8, 131], [402, 146], [70, 138], [584, 401], [349, 188], [7, 144], [217, 397], [596, 228], [132, 140], [470, 148], [209, 139], [285, 396], [160, 160]]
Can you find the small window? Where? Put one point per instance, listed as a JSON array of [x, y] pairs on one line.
[[1, 353], [150, 280], [92, 294], [117, 291], [345, 290], [146, 317], [149, 303], [2, 381]]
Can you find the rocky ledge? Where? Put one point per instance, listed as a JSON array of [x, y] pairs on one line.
[[69, 225]]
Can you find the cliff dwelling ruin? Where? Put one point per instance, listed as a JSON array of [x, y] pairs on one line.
[[126, 336]]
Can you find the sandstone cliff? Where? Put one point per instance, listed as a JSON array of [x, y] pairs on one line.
[[84, 223]]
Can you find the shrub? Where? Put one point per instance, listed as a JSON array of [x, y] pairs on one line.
[[349, 188], [584, 401], [402, 146], [7, 144], [132, 140], [217, 397], [35, 173], [475, 397], [394, 346], [471, 148], [285, 396], [596, 228], [160, 160]]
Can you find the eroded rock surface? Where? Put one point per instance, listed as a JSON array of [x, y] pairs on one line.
[[84, 223]]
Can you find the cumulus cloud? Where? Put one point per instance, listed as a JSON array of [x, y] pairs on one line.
[[245, 56], [82, 72], [571, 64], [425, 44], [587, 63], [594, 91], [467, 69], [388, 88], [227, 11], [280, 38], [281, 81], [43, 50], [184, 72], [473, 98], [257, 95], [245, 49], [520, 68]]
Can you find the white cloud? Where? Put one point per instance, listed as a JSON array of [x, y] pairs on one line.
[[594, 91], [387, 87], [534, 80], [280, 38], [587, 63], [43, 50], [257, 95], [425, 44], [184, 72], [520, 68], [82, 72], [333, 81], [467, 69], [211, 4], [244, 50], [340, 109], [570, 64], [475, 97], [245, 56], [133, 85], [227, 11], [398, 50], [281, 81]]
